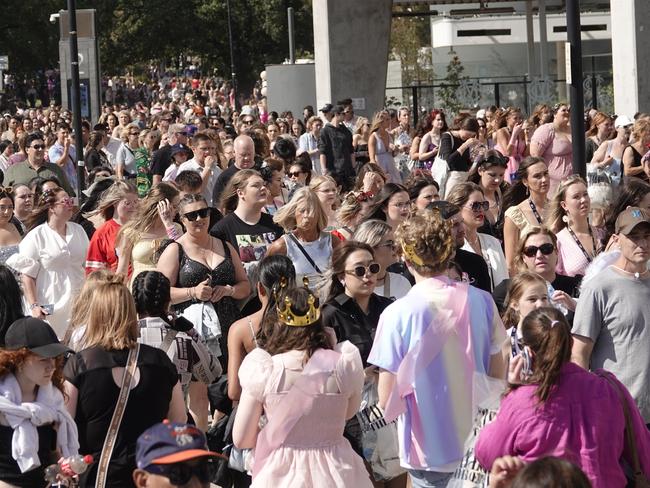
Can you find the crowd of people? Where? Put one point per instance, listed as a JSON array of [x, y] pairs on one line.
[[326, 299]]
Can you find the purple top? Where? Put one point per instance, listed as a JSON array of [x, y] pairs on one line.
[[582, 422]]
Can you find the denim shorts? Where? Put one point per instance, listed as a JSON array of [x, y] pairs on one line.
[[429, 479]]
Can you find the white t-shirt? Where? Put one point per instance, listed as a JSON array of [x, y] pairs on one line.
[[215, 171]]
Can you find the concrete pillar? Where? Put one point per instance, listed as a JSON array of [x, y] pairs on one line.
[[530, 40], [630, 56], [351, 41], [543, 39]]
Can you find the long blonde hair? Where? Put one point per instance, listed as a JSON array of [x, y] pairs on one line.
[[112, 321], [286, 215], [147, 215], [555, 220], [376, 120], [111, 197]]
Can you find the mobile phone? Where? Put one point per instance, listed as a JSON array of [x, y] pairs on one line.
[[527, 370], [48, 309]]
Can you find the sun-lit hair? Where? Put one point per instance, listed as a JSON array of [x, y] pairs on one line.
[[425, 241], [555, 218], [230, 198], [147, 214], [11, 361], [523, 239], [115, 193], [303, 197], [112, 321], [351, 207], [516, 288]]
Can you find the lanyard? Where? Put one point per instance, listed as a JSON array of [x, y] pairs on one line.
[[582, 248], [535, 212]]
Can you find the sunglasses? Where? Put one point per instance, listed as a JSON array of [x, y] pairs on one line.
[[192, 216], [68, 202], [294, 174], [479, 206], [360, 271], [180, 474], [38, 147], [545, 249], [248, 121]]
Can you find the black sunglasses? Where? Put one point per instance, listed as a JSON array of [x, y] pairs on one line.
[[545, 249], [361, 271], [480, 206], [38, 147], [192, 216], [294, 173], [180, 474]]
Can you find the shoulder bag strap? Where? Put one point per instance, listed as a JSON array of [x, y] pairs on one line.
[[111, 436], [295, 240], [630, 440]]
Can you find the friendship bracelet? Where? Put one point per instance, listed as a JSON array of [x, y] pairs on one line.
[[172, 233]]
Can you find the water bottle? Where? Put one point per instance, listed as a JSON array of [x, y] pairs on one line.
[[555, 303]]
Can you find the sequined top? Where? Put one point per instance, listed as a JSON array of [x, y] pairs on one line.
[[7, 251], [191, 273]]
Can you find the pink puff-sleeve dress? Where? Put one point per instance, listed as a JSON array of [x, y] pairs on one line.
[[315, 453], [557, 152]]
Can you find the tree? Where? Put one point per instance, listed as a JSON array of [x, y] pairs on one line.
[[448, 93], [409, 38]]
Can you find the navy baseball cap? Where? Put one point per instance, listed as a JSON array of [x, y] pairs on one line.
[[170, 443]]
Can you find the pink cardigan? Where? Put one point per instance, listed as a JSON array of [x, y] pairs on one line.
[[582, 422]]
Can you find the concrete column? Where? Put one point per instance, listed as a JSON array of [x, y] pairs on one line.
[[543, 39], [530, 40], [630, 56], [351, 42]]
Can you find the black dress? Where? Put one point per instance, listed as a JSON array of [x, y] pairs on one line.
[[192, 273], [9, 470]]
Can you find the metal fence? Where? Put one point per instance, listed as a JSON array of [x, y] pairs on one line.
[[472, 93]]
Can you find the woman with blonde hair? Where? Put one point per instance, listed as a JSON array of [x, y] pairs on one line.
[[94, 374], [360, 141], [568, 218], [305, 240], [140, 238], [352, 211], [116, 207], [125, 157], [122, 120], [380, 146], [327, 191], [633, 154]]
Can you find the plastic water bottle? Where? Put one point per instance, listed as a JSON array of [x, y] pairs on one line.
[[555, 303]]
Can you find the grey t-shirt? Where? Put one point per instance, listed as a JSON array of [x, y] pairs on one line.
[[613, 311]]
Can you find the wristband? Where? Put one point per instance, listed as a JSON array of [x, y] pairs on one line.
[[172, 233], [32, 306]]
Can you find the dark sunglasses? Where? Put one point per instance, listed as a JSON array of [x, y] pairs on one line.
[[294, 173], [361, 271], [480, 206], [192, 216], [545, 249], [180, 474], [38, 147]]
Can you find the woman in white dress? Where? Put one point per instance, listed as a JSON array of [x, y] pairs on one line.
[[51, 259]]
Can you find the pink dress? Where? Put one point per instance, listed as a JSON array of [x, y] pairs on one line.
[[557, 152], [514, 160], [315, 453]]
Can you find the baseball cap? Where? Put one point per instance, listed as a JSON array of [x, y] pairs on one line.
[[327, 108], [35, 335], [176, 148], [170, 443], [622, 121], [629, 218]]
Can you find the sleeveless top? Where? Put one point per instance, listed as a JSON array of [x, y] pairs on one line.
[[191, 273], [320, 251], [9, 470]]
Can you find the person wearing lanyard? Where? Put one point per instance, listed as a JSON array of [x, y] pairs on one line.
[[568, 218], [125, 166]]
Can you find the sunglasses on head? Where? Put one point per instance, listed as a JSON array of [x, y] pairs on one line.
[[180, 474], [480, 206], [545, 249], [361, 271], [192, 216]]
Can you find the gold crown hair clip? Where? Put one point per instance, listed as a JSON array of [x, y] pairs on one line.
[[410, 254], [288, 317]]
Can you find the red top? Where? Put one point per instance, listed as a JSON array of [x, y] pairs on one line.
[[101, 251]]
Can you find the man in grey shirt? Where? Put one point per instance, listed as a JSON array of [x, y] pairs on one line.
[[609, 328]]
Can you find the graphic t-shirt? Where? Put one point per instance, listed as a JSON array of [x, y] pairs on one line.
[[143, 177], [251, 241]]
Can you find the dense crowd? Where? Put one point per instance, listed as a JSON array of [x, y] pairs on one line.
[[328, 299]]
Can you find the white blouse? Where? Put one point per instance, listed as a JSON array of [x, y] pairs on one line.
[[494, 258]]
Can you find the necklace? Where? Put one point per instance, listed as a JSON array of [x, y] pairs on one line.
[[582, 248], [637, 275], [533, 207]]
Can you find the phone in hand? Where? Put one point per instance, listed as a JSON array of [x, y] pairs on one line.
[[527, 370], [48, 309]]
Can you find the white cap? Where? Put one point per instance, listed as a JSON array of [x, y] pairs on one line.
[[622, 121]]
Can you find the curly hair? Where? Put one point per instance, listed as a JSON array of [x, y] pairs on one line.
[[11, 361], [428, 235]]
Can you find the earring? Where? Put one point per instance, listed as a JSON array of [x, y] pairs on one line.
[[527, 191]]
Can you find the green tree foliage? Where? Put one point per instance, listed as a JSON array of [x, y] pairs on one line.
[[136, 33], [448, 94], [409, 35]]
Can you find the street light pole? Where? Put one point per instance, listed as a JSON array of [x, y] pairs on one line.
[[232, 57], [576, 88], [76, 98]]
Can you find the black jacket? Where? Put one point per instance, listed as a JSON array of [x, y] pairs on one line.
[[350, 323]]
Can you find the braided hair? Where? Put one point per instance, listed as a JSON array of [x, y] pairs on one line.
[[151, 292]]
